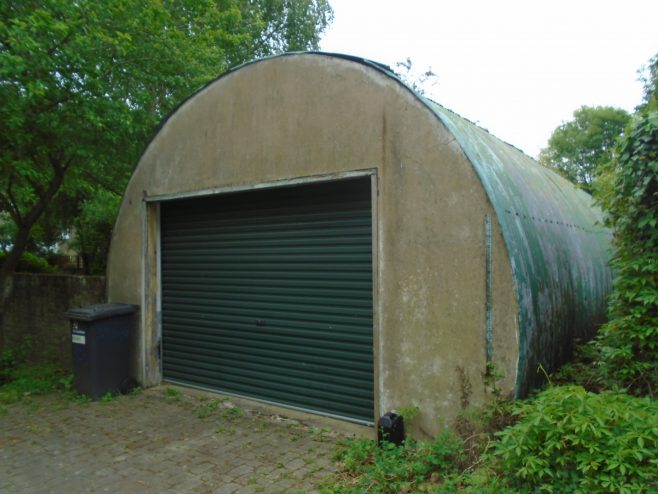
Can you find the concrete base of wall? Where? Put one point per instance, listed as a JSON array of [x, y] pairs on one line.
[[36, 310]]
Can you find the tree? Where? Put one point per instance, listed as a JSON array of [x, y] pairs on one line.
[[579, 147], [649, 79], [93, 230], [83, 84]]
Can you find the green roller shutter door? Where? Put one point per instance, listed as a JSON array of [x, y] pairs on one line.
[[268, 294]]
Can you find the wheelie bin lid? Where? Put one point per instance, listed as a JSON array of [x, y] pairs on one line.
[[100, 311]]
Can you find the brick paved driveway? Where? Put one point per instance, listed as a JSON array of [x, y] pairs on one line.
[[165, 439]]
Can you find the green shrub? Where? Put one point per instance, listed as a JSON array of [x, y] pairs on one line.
[[30, 263], [416, 466], [571, 440]]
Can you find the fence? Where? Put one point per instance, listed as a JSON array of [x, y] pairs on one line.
[[36, 311]]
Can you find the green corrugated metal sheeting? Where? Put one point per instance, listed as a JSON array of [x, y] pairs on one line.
[[558, 250]]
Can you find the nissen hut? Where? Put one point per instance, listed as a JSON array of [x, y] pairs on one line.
[[307, 231]]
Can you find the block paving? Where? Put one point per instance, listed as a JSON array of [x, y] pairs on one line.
[[164, 440]]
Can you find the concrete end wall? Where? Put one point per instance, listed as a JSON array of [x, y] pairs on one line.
[[314, 115], [36, 310]]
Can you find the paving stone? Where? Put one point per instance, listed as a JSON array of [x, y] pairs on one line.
[[148, 443], [227, 489], [295, 464]]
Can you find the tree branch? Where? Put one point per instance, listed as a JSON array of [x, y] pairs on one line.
[[89, 176], [14, 212]]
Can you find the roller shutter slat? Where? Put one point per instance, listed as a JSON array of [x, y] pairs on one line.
[[269, 294]]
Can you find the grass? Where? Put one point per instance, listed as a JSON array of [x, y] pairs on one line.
[[27, 380]]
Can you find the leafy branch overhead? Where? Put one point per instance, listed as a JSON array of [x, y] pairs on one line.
[[580, 147], [83, 85]]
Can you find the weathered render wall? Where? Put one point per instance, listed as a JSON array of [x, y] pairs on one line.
[[36, 310], [313, 115]]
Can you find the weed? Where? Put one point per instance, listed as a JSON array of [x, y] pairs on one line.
[[262, 426], [172, 394], [232, 413], [207, 408], [411, 467], [465, 386], [224, 429], [408, 413], [66, 382], [107, 397], [492, 377], [27, 380], [12, 358], [477, 427], [320, 435], [80, 399], [583, 369]]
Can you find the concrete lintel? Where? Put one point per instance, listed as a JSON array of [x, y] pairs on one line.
[[262, 185]]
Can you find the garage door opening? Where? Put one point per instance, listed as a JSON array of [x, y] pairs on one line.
[[268, 294]]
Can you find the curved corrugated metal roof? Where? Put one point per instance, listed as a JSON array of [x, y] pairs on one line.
[[558, 251]]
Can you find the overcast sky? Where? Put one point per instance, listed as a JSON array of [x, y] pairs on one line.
[[518, 68]]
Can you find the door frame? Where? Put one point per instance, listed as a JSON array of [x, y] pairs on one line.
[[150, 337]]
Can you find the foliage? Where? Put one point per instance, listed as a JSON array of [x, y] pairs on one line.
[[7, 231], [408, 413], [416, 466], [565, 439], [477, 427], [172, 394], [629, 341], [579, 147], [584, 369], [26, 380], [649, 78], [286, 25], [10, 358], [93, 230], [571, 440], [30, 263], [19, 378], [421, 81], [83, 84], [107, 397]]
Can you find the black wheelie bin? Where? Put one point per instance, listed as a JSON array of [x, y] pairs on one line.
[[101, 337]]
